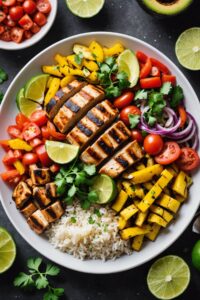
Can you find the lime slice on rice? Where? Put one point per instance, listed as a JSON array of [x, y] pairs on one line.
[[35, 88], [85, 8], [168, 277], [7, 250], [188, 49], [61, 153], [26, 106], [105, 188]]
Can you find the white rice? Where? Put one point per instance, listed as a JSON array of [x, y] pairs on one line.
[[88, 234]]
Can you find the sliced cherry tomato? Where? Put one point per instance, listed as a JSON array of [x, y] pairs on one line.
[[39, 117], [124, 100], [21, 120], [9, 175], [136, 135], [29, 6], [17, 34], [2, 29], [12, 156], [16, 12], [25, 22], [6, 36], [129, 110], [44, 6], [188, 160], [164, 69], [155, 72], [2, 16], [14, 131], [4, 144], [56, 135], [45, 132], [9, 22], [35, 28], [146, 69], [8, 2], [153, 144], [40, 19], [55, 168], [43, 156], [35, 142], [29, 159], [141, 56], [30, 131], [27, 34], [150, 83], [170, 153], [169, 78], [182, 115]]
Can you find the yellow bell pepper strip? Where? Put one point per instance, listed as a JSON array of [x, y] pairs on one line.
[[168, 202], [128, 212], [66, 80], [128, 188], [115, 50], [120, 201], [137, 242], [85, 51], [19, 167], [54, 87], [49, 81], [161, 212], [141, 217], [52, 70], [180, 184], [97, 51], [130, 232], [61, 60], [146, 174], [90, 65], [154, 231], [71, 59], [153, 218], [18, 144], [150, 161], [122, 223]]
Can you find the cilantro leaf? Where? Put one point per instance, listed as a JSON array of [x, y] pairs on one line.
[[133, 120], [141, 95], [60, 186], [151, 120], [72, 191], [91, 220], [50, 296], [1, 96], [41, 282], [34, 264], [23, 280], [79, 58], [156, 103], [89, 169], [52, 270], [3, 75], [112, 91], [177, 96], [58, 291], [110, 61], [93, 196], [166, 88]]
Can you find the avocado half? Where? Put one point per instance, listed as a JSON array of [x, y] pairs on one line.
[[165, 7]]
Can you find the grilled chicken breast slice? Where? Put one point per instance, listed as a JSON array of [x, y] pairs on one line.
[[21, 194], [106, 144], [39, 176], [95, 121], [37, 222], [40, 196], [53, 212], [51, 190], [62, 95], [28, 210], [122, 160], [77, 106]]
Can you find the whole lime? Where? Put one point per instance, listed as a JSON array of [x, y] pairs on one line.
[[196, 255]]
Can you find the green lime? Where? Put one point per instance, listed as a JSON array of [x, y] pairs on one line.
[[26, 106], [7, 250], [196, 255], [85, 8], [127, 62], [105, 188], [35, 88], [168, 277], [188, 49], [61, 153]]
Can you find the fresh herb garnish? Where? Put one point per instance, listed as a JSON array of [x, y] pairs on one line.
[[141, 95], [156, 104], [91, 220], [133, 120], [111, 78], [166, 88], [1, 96], [97, 212], [73, 219], [177, 96], [3, 75], [75, 181], [38, 279], [79, 58]]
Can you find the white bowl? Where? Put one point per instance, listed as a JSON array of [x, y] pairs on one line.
[[36, 37], [7, 115]]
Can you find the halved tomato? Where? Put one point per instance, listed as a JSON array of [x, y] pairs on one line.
[[129, 110], [30, 131], [21, 120], [17, 34], [9, 175], [39, 117], [170, 153], [25, 22], [189, 159], [14, 131]]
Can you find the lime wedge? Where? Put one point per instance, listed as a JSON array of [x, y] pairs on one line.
[[168, 277], [85, 8], [105, 188], [35, 88], [7, 250], [61, 153], [188, 49], [26, 106], [127, 62]]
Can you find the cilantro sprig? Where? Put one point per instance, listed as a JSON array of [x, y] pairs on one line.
[[1, 96], [113, 80], [35, 278], [3, 75], [79, 58], [75, 181]]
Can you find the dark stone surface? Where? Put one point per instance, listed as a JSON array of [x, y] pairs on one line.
[[123, 16]]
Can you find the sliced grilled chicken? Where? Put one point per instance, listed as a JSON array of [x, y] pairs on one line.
[[51, 189], [28, 210], [62, 95], [106, 144], [37, 222], [39, 176], [29, 183], [21, 194], [77, 106], [40, 196], [95, 121], [122, 160], [53, 212]]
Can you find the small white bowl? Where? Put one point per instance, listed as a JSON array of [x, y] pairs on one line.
[[36, 37]]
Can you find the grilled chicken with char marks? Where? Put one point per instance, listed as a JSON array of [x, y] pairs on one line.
[[53, 212], [29, 182], [37, 222], [106, 144], [62, 95], [39, 176], [122, 160], [40, 196], [21, 194], [51, 190], [77, 106], [29, 209], [95, 121]]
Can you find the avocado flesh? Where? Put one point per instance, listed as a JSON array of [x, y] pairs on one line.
[[164, 7]]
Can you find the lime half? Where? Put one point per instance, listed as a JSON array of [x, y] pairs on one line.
[[168, 277], [7, 250], [26, 106], [35, 88], [85, 8], [105, 188], [188, 49], [127, 62], [61, 153]]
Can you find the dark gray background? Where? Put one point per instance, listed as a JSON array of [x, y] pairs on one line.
[[123, 16]]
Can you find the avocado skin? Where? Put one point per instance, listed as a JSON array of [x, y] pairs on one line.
[[157, 15]]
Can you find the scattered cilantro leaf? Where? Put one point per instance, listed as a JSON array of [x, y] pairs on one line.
[[79, 58], [34, 264], [72, 191], [3, 75], [177, 96], [141, 95], [89, 169], [52, 270], [1, 96], [97, 212], [133, 120], [166, 88], [73, 219]]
